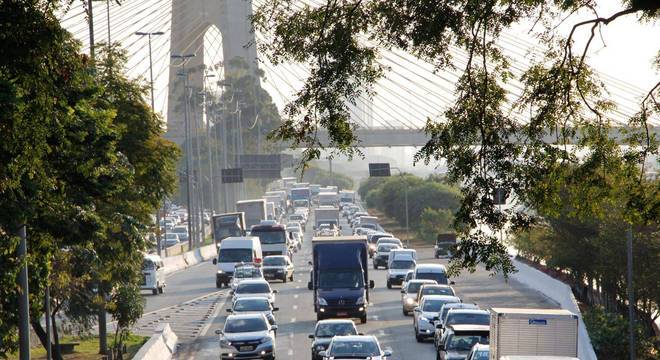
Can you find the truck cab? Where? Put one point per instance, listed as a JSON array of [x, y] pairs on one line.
[[228, 225], [341, 283], [273, 238]]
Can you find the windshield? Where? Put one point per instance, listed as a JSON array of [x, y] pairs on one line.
[[295, 217], [387, 247], [252, 289], [468, 318], [440, 278], [148, 265], [445, 311], [274, 261], [437, 291], [414, 287], [354, 348], [235, 255], [247, 272], [341, 279], [330, 330], [402, 264], [300, 203], [480, 355], [245, 325], [270, 237], [368, 226], [252, 305], [433, 305], [465, 342]]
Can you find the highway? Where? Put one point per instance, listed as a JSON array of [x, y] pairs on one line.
[[296, 318]]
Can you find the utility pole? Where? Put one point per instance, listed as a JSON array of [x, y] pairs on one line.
[[200, 174], [90, 15], [23, 299], [153, 111], [208, 148], [107, 7], [631, 294], [184, 58], [49, 355]]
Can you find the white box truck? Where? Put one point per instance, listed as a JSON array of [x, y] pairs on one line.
[[546, 332], [328, 199], [255, 211], [326, 215]]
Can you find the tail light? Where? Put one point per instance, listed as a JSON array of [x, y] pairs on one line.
[[257, 260]]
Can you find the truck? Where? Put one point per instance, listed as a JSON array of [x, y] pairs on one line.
[[340, 277], [326, 215], [347, 196], [272, 236], [271, 214], [255, 211], [301, 193], [548, 332], [443, 245], [328, 199], [227, 225]]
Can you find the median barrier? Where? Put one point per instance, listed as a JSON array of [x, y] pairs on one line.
[[161, 345], [174, 263], [562, 294], [208, 252], [191, 258]]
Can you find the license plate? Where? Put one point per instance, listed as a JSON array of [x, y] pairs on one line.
[[245, 348], [342, 313]]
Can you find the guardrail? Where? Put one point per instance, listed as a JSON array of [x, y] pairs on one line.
[[161, 345], [188, 258]]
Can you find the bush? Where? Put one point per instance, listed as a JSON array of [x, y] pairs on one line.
[[434, 221], [314, 175]]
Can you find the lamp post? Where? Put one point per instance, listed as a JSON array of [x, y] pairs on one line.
[[184, 58], [208, 147], [383, 170], [153, 111]]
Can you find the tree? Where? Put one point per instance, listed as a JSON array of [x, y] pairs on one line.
[[562, 96]]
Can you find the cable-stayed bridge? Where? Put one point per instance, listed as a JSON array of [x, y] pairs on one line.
[[411, 92]]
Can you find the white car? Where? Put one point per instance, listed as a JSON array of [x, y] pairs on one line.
[[171, 239], [252, 288], [355, 347], [245, 272]]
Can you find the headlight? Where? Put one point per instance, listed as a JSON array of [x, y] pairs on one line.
[[320, 347], [220, 272], [410, 301], [225, 342], [360, 300], [424, 318], [322, 302]]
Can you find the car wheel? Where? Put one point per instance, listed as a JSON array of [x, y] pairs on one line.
[[389, 285], [405, 313], [419, 338], [154, 291], [291, 277], [284, 279], [218, 285], [161, 289], [375, 266], [363, 319]]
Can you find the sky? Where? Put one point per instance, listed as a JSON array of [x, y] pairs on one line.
[[409, 93]]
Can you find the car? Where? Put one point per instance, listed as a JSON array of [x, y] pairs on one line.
[[245, 272], [294, 226], [434, 289], [153, 274], [298, 239], [443, 314], [427, 313], [362, 231], [355, 347], [254, 304], [383, 254], [171, 240], [325, 330], [479, 352], [278, 267], [249, 288], [462, 317], [437, 272], [247, 336], [409, 294], [299, 218], [458, 340], [182, 231], [389, 240], [407, 278], [373, 237], [396, 273]]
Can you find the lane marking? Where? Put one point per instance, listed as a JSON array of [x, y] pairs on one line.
[[295, 307], [375, 317], [289, 352], [209, 321], [293, 320], [295, 296]]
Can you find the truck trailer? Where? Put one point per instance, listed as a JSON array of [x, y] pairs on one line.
[[255, 211], [532, 332], [227, 225], [340, 277]]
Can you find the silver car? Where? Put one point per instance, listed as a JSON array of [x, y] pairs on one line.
[[409, 294], [250, 288], [428, 312]]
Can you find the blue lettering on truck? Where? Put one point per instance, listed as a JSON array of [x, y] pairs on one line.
[[538, 322]]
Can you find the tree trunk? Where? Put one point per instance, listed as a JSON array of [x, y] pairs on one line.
[[41, 334], [56, 335]]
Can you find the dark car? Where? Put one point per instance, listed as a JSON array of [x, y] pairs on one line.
[[458, 340], [383, 255], [327, 329]]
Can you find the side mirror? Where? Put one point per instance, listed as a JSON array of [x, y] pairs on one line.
[[309, 285], [361, 334], [417, 309], [403, 291], [311, 336], [274, 291], [215, 261], [371, 284], [452, 283], [309, 263], [230, 311], [275, 309], [273, 327], [438, 325], [323, 353], [387, 353], [218, 332]]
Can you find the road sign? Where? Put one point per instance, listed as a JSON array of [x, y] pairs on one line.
[[260, 166], [499, 196], [379, 169], [232, 176]]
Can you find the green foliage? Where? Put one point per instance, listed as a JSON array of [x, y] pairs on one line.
[[433, 222], [484, 144], [315, 175], [609, 336]]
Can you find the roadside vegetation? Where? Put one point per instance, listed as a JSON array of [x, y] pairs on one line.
[[432, 202], [316, 175]]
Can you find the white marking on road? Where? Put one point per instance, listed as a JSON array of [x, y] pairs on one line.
[[209, 321], [381, 332], [299, 280], [375, 317], [291, 335], [295, 296], [289, 352], [295, 307], [297, 286], [293, 320]]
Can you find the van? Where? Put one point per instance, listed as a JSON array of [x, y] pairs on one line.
[[401, 254], [435, 272], [153, 274], [232, 251]]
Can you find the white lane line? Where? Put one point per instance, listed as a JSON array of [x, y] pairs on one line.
[[207, 326], [299, 280], [295, 296], [293, 320], [295, 307], [289, 352], [375, 317], [297, 286]]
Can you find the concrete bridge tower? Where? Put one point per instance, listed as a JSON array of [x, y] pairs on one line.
[[190, 21]]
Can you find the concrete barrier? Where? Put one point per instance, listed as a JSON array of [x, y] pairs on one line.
[[161, 345], [208, 252], [561, 293], [174, 263]]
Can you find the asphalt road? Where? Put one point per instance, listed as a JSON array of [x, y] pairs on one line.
[[296, 318]]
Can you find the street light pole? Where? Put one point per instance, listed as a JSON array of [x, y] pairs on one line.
[[631, 294], [90, 16], [153, 111], [23, 300], [184, 58]]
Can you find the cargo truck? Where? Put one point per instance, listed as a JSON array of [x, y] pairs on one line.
[[328, 199], [227, 225], [272, 236], [326, 215], [444, 244], [533, 332], [347, 197], [255, 211], [340, 277], [302, 193]]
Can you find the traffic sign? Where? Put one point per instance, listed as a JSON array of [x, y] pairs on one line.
[[232, 175], [379, 169]]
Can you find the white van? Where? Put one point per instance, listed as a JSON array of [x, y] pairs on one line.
[[232, 251], [401, 254], [153, 274]]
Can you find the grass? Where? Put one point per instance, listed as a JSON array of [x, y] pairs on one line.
[[88, 348]]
